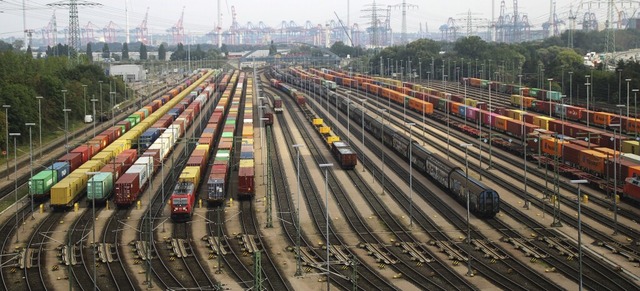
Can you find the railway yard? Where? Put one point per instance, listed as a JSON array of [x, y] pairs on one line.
[[294, 178]]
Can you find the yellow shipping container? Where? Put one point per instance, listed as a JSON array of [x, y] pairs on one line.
[[631, 146], [92, 165], [471, 102], [247, 132], [516, 100], [324, 129], [204, 147], [104, 156], [63, 193], [317, 121], [332, 139], [190, 174], [246, 163], [542, 121]]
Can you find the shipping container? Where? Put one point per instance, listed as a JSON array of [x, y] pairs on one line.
[[190, 174], [631, 146], [100, 186], [593, 161], [127, 189], [73, 159], [246, 179]]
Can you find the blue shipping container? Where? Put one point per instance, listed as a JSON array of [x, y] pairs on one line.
[[61, 168], [148, 137]]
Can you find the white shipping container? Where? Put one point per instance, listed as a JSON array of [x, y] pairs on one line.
[[175, 129], [142, 171], [148, 161], [631, 157]]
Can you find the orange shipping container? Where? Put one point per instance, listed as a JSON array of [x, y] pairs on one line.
[[552, 147], [418, 105], [602, 118], [608, 151], [501, 122], [593, 161]]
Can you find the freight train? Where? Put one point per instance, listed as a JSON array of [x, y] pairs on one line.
[[344, 154], [516, 123], [484, 201], [99, 151], [246, 165]]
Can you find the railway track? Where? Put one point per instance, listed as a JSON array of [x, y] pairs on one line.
[[405, 264], [520, 276], [10, 258], [119, 278], [630, 214], [35, 277], [316, 207], [601, 272]]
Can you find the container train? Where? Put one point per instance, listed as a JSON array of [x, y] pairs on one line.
[[97, 152], [484, 201], [344, 154]]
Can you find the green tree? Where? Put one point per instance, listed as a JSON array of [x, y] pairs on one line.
[[162, 52], [143, 52], [29, 52], [125, 51], [179, 54], [225, 49], [273, 50], [89, 52], [105, 51]]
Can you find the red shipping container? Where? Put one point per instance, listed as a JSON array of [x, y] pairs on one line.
[[74, 160], [543, 106], [528, 117], [245, 181], [127, 189], [472, 114], [126, 124], [584, 144], [574, 113], [224, 145], [457, 98], [117, 132], [206, 140], [128, 157], [198, 161], [489, 118], [116, 169], [84, 151], [571, 153], [481, 105], [607, 139], [500, 110], [102, 140], [624, 168]]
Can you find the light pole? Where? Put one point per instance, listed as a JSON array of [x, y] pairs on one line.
[[444, 79], [490, 131], [571, 87], [66, 128], [466, 147], [6, 115], [635, 108], [587, 84], [326, 194], [40, 122], [15, 173], [30, 124], [619, 85], [94, 116], [410, 124], [101, 111], [382, 111], [264, 165], [348, 116], [615, 167], [550, 80], [112, 101], [298, 267], [579, 230], [93, 209], [627, 80], [364, 109]]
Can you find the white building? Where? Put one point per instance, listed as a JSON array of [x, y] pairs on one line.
[[129, 73]]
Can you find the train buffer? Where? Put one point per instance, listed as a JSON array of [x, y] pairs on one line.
[[526, 247], [339, 254], [380, 255], [214, 242], [26, 258], [249, 243], [488, 250], [68, 255], [559, 244], [308, 258], [616, 248], [451, 250], [179, 247], [105, 252], [141, 248], [416, 254]]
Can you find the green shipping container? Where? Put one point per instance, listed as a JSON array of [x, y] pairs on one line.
[[442, 105], [533, 92], [99, 187], [484, 84], [133, 119], [554, 96], [227, 134], [222, 155], [41, 183]]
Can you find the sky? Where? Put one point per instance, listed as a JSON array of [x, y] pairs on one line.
[[200, 15]]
